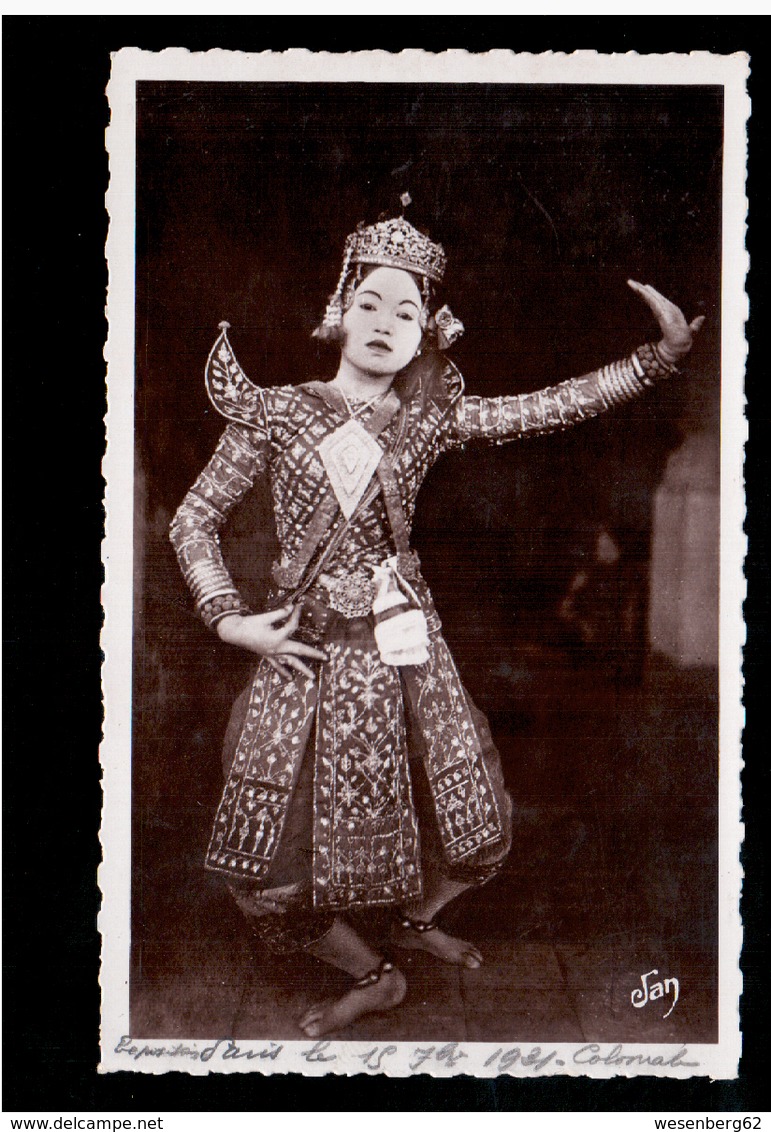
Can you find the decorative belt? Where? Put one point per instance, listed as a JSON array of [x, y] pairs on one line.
[[353, 594], [288, 575]]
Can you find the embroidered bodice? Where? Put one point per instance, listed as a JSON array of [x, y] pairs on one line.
[[277, 431]]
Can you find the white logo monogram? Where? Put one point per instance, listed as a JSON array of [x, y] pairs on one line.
[[641, 996]]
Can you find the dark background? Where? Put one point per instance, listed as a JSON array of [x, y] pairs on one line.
[[54, 242], [546, 199]]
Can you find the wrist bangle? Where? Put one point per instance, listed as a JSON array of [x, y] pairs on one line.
[[223, 606], [654, 366]]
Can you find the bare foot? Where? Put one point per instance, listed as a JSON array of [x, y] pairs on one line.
[[447, 947], [382, 995]]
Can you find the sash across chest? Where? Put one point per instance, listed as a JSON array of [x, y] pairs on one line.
[[350, 455]]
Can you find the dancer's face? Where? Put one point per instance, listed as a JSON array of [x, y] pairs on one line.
[[381, 327]]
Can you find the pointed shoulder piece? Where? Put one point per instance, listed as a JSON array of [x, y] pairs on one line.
[[454, 387], [453, 380], [230, 391]]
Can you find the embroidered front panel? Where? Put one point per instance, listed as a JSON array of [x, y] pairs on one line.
[[368, 539], [295, 422], [466, 808], [366, 847], [251, 815]]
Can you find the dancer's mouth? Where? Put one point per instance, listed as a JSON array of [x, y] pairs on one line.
[[379, 347]]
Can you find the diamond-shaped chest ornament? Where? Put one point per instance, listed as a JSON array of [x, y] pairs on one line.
[[350, 456]]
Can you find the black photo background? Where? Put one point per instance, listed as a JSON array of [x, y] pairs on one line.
[[546, 199]]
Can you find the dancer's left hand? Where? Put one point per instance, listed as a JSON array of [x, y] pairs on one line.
[[676, 333]]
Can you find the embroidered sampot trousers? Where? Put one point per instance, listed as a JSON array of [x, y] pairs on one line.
[[397, 782]]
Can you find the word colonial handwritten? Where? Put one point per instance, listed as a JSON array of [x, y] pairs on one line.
[[641, 996], [376, 1058]]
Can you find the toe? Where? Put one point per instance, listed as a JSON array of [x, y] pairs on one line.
[[309, 1017]]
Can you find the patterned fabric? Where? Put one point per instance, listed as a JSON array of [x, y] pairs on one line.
[[366, 843], [365, 832], [253, 810], [366, 846], [240, 457], [467, 811], [500, 419]]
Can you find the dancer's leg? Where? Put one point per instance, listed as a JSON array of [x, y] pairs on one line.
[[344, 948], [439, 891], [439, 888]]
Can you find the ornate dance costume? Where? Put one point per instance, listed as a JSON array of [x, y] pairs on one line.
[[342, 791]]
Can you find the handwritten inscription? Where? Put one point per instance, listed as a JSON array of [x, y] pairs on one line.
[[593, 1055], [650, 992], [503, 1059], [224, 1048], [395, 1058], [417, 1058]]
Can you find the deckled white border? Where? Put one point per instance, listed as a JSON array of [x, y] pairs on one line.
[[412, 66]]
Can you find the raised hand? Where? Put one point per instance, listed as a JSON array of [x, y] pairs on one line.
[[270, 635], [676, 333]]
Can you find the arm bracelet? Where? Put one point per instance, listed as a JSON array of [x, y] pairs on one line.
[[652, 362], [621, 382], [221, 606]]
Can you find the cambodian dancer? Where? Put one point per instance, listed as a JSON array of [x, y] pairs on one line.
[[358, 770]]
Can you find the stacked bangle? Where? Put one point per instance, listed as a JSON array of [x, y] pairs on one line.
[[619, 382], [206, 578], [222, 606]]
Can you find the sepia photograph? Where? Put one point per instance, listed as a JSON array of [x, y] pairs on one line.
[[418, 753]]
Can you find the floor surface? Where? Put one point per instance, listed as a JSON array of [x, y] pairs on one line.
[[526, 991]]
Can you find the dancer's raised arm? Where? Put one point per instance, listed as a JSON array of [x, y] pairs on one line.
[[500, 419]]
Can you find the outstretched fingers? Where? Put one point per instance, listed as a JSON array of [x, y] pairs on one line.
[[677, 333], [291, 661], [287, 661], [639, 288], [286, 652], [659, 304], [299, 648], [287, 665]]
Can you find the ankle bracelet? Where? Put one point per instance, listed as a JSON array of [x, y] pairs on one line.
[[419, 926], [375, 975]]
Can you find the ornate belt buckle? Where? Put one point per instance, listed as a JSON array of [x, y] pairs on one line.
[[352, 596]]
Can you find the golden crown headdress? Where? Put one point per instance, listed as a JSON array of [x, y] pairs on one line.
[[388, 243], [395, 243]]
